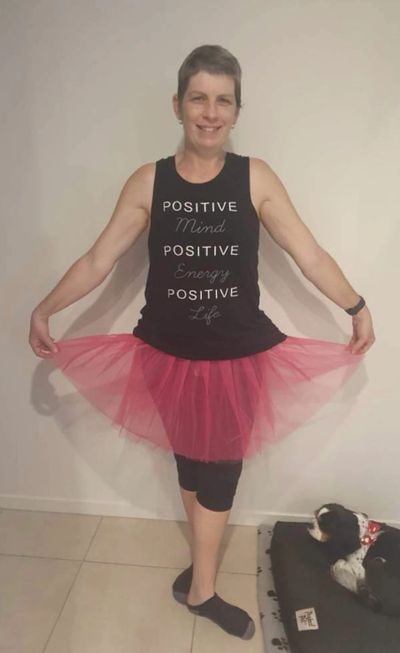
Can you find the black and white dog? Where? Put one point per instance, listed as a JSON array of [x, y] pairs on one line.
[[364, 555]]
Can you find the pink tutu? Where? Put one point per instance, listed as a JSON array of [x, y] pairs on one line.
[[207, 410]]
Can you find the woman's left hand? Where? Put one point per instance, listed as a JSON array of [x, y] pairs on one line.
[[363, 332]]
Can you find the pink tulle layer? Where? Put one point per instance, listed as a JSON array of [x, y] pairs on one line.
[[207, 410]]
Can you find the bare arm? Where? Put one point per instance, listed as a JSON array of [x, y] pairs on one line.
[[283, 223], [129, 219], [79, 280]]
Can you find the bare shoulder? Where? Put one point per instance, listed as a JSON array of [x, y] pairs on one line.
[[264, 182], [129, 219], [138, 188]]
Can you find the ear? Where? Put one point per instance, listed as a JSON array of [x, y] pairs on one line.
[[346, 540], [175, 105]]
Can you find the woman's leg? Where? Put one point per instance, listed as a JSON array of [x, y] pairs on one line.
[[217, 483], [207, 491], [208, 529], [188, 500], [216, 488], [187, 477]]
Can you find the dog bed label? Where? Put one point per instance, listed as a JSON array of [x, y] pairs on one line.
[[306, 619]]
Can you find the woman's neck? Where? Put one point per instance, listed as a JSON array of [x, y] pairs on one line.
[[197, 166]]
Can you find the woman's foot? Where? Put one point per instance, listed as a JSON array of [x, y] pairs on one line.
[[230, 618], [181, 589]]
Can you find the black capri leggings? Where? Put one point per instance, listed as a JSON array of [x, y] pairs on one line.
[[214, 482]]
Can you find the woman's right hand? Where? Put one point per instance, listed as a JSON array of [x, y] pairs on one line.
[[39, 337]]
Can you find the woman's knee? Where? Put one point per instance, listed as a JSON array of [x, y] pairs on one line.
[[217, 484]]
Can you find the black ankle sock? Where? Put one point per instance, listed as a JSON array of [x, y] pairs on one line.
[[181, 585], [230, 618]]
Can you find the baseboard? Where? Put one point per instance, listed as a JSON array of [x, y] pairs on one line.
[[238, 516], [77, 507]]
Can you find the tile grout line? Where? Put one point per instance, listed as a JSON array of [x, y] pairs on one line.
[[71, 587], [115, 562], [193, 634], [84, 559]]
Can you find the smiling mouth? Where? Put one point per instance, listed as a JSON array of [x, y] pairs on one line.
[[209, 130]]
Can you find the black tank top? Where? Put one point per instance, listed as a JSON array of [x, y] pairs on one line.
[[202, 291]]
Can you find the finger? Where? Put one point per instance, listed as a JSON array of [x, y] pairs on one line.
[[367, 347], [39, 353], [49, 346], [47, 352], [43, 348], [359, 347], [357, 343]]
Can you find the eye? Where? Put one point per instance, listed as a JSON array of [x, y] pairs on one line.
[[224, 99]]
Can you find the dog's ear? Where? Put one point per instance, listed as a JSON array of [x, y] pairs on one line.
[[334, 507], [342, 530], [329, 522], [329, 507], [348, 539]]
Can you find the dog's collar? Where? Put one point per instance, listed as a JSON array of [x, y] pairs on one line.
[[371, 533]]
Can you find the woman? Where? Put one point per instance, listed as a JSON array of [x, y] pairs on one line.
[[205, 373]]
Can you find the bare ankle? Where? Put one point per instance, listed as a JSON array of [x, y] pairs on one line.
[[197, 600], [199, 595]]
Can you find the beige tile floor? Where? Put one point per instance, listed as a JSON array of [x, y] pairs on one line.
[[87, 584]]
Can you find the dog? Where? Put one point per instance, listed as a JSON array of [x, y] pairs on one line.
[[364, 555]]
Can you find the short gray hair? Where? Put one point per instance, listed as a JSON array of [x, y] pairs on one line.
[[213, 59]]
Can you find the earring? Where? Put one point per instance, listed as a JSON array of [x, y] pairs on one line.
[[180, 122], [233, 126]]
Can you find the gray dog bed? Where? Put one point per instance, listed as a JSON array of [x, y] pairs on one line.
[[315, 612], [270, 617]]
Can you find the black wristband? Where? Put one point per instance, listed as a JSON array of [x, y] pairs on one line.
[[357, 307]]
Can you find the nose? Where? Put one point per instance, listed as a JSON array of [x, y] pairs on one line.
[[210, 111]]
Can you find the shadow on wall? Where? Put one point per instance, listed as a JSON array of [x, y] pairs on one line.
[[306, 311]]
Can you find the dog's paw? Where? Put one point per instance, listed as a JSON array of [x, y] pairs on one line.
[[341, 569], [343, 575]]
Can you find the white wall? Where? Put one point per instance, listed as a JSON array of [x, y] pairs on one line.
[[87, 90]]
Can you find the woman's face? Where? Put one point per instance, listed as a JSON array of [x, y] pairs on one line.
[[208, 110]]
